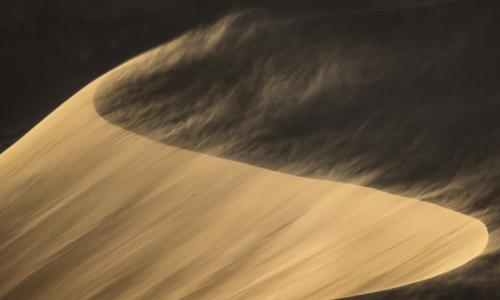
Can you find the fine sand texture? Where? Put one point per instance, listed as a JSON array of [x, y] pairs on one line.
[[89, 210]]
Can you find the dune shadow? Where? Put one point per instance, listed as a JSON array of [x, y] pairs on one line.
[[406, 100]]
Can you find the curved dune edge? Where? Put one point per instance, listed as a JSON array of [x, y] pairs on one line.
[[90, 210]]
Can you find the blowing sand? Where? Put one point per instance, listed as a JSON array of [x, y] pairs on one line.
[[89, 210]]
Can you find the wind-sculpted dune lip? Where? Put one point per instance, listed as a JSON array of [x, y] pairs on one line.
[[90, 210], [194, 194], [409, 102], [404, 104]]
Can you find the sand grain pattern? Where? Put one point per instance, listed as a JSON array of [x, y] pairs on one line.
[[89, 210]]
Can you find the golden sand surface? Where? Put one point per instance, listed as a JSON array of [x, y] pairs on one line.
[[89, 210]]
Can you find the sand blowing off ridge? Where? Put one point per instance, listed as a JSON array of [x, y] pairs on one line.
[[89, 210]]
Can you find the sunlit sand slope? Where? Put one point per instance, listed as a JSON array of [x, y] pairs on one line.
[[89, 210]]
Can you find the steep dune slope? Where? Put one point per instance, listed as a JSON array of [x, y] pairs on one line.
[[89, 210], [402, 101]]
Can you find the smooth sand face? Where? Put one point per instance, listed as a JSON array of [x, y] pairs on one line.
[[89, 210]]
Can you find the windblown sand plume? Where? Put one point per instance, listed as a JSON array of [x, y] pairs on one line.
[[90, 210], [233, 162]]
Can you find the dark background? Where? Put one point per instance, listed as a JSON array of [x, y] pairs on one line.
[[51, 49]]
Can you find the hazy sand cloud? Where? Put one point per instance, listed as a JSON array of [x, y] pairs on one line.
[[400, 105]]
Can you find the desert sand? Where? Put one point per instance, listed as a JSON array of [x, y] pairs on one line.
[[89, 210]]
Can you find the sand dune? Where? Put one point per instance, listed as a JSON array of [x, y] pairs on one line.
[[403, 97], [89, 210]]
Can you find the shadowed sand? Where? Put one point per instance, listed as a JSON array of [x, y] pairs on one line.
[[89, 210]]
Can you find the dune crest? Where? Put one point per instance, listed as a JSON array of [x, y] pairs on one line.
[[89, 210]]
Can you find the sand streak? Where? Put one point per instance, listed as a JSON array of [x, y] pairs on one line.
[[89, 210]]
